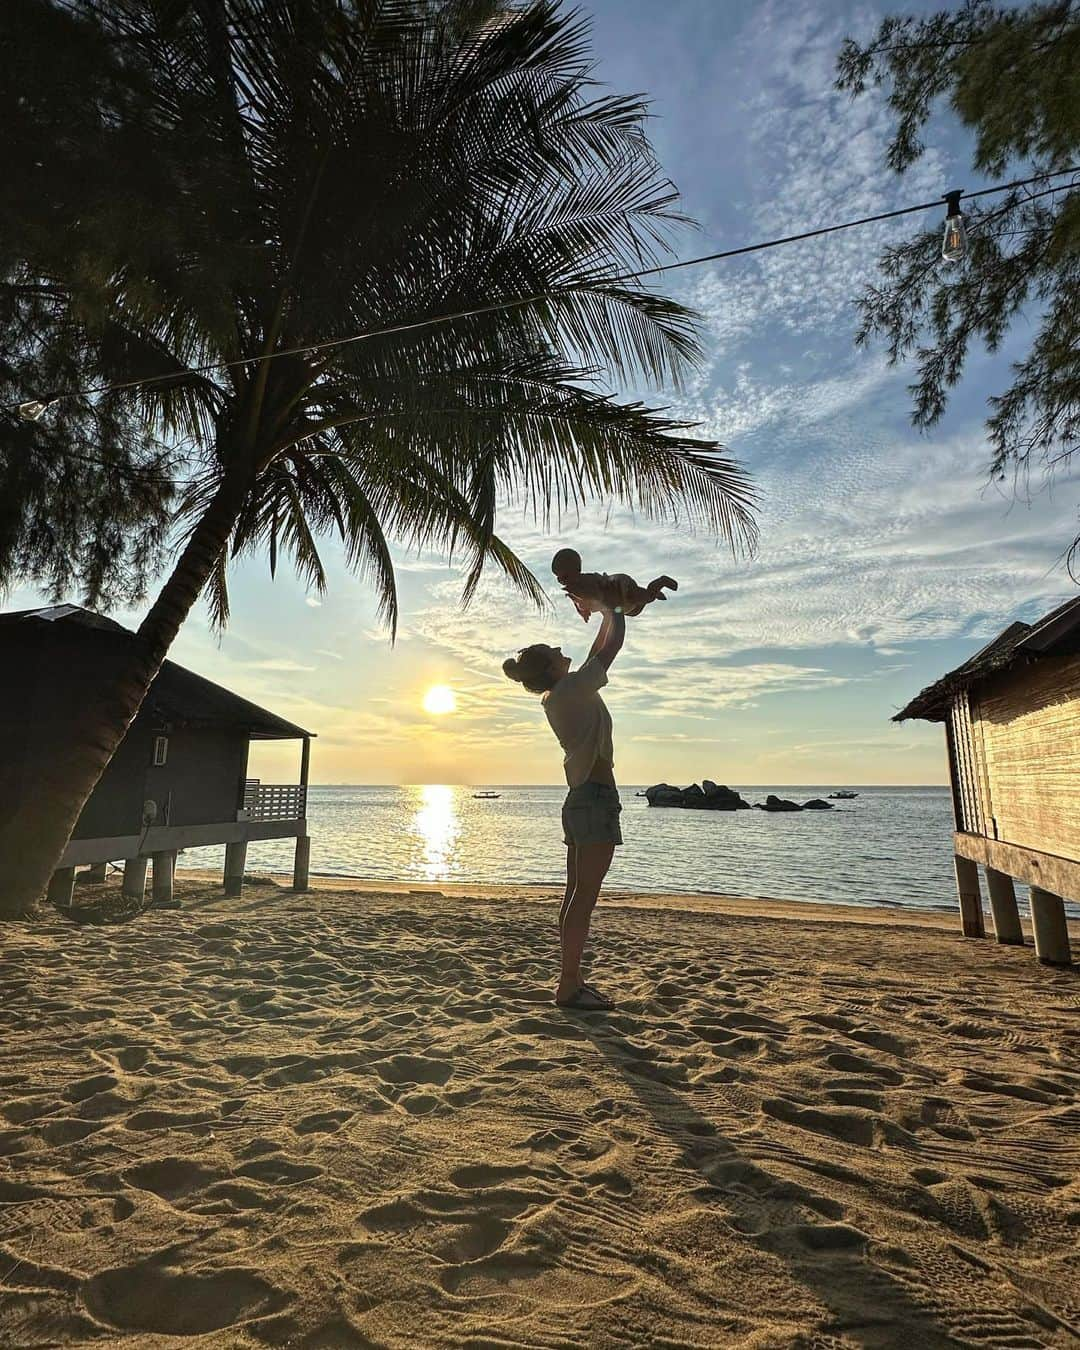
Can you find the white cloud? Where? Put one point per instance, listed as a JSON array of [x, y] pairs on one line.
[[312, 602], [280, 663], [383, 634], [817, 159]]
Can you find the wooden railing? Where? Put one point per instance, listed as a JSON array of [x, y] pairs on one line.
[[273, 801]]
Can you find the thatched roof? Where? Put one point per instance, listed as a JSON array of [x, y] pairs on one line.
[[178, 694], [1056, 633]]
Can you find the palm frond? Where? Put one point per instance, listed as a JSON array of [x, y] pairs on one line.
[[333, 169]]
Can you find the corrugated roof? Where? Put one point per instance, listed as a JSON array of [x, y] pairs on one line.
[[1055, 633], [178, 694]]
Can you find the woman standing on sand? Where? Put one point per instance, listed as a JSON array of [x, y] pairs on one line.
[[590, 814]]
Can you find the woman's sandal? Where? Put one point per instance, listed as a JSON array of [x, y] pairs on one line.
[[587, 999]]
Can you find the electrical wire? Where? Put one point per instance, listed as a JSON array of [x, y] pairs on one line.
[[329, 344]]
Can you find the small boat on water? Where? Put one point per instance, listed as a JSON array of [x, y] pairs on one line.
[[843, 795], [486, 796]]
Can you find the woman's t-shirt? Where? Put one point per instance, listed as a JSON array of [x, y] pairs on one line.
[[577, 715]]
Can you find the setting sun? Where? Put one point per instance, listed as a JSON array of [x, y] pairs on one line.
[[440, 699]]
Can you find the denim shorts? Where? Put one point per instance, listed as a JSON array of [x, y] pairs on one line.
[[590, 815]]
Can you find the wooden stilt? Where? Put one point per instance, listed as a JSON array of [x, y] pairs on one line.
[[1051, 930], [1007, 927], [235, 858], [61, 887], [301, 863], [967, 888], [164, 864], [134, 878]]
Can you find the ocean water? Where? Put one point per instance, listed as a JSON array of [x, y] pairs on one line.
[[889, 846]]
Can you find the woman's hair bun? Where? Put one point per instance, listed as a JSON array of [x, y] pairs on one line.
[[511, 669]]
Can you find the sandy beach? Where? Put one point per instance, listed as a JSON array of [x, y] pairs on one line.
[[354, 1118]]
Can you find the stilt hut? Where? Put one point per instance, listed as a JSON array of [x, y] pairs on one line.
[[1012, 726], [179, 779]]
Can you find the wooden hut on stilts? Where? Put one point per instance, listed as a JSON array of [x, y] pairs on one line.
[[1012, 725], [179, 778]]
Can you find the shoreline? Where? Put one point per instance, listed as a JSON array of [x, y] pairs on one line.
[[691, 902]]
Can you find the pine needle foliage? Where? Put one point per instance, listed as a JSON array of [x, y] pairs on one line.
[[86, 493], [1011, 74], [335, 167]]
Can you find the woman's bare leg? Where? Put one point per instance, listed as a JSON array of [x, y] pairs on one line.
[[571, 881], [591, 865]]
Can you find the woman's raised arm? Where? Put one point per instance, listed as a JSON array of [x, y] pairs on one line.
[[609, 639]]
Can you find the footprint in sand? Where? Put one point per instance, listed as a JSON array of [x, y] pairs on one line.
[[86, 1088], [68, 1130], [474, 1240], [856, 1064], [414, 1069], [881, 1040], [854, 1127], [322, 1122], [278, 1171], [151, 1298], [171, 1178]]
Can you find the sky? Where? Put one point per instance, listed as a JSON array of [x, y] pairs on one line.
[[884, 559]]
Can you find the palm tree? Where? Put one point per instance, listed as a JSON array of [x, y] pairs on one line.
[[443, 180]]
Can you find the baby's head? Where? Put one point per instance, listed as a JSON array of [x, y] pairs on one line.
[[566, 565]]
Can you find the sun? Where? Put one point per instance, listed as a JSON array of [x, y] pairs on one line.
[[440, 699]]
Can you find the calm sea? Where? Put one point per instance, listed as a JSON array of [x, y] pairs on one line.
[[889, 846]]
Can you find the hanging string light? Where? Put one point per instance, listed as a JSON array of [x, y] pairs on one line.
[[954, 243], [33, 409], [954, 248]]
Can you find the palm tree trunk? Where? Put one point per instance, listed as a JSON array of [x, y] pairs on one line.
[[73, 720]]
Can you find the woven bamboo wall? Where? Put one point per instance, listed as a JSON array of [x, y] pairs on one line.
[[1025, 733]]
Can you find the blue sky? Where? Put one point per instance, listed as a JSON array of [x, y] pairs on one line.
[[884, 558]]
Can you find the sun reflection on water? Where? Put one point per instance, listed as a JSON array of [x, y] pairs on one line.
[[437, 826]]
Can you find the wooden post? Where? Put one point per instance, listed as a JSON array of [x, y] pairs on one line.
[[305, 767], [1007, 927], [967, 888], [302, 856], [134, 878], [235, 858], [301, 863], [60, 887], [1051, 930], [164, 865], [243, 777], [96, 874]]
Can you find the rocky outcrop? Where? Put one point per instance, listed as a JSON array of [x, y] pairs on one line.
[[774, 803], [710, 796], [707, 796]]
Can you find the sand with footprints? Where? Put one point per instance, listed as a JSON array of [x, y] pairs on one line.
[[355, 1119]]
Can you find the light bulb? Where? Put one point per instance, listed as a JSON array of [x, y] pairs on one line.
[[954, 242], [33, 410]]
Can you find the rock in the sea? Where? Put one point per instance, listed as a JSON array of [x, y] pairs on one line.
[[706, 797], [816, 804], [774, 803], [718, 798]]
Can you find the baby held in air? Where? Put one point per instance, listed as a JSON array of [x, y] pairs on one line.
[[593, 591]]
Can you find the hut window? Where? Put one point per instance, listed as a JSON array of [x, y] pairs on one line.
[[161, 749]]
